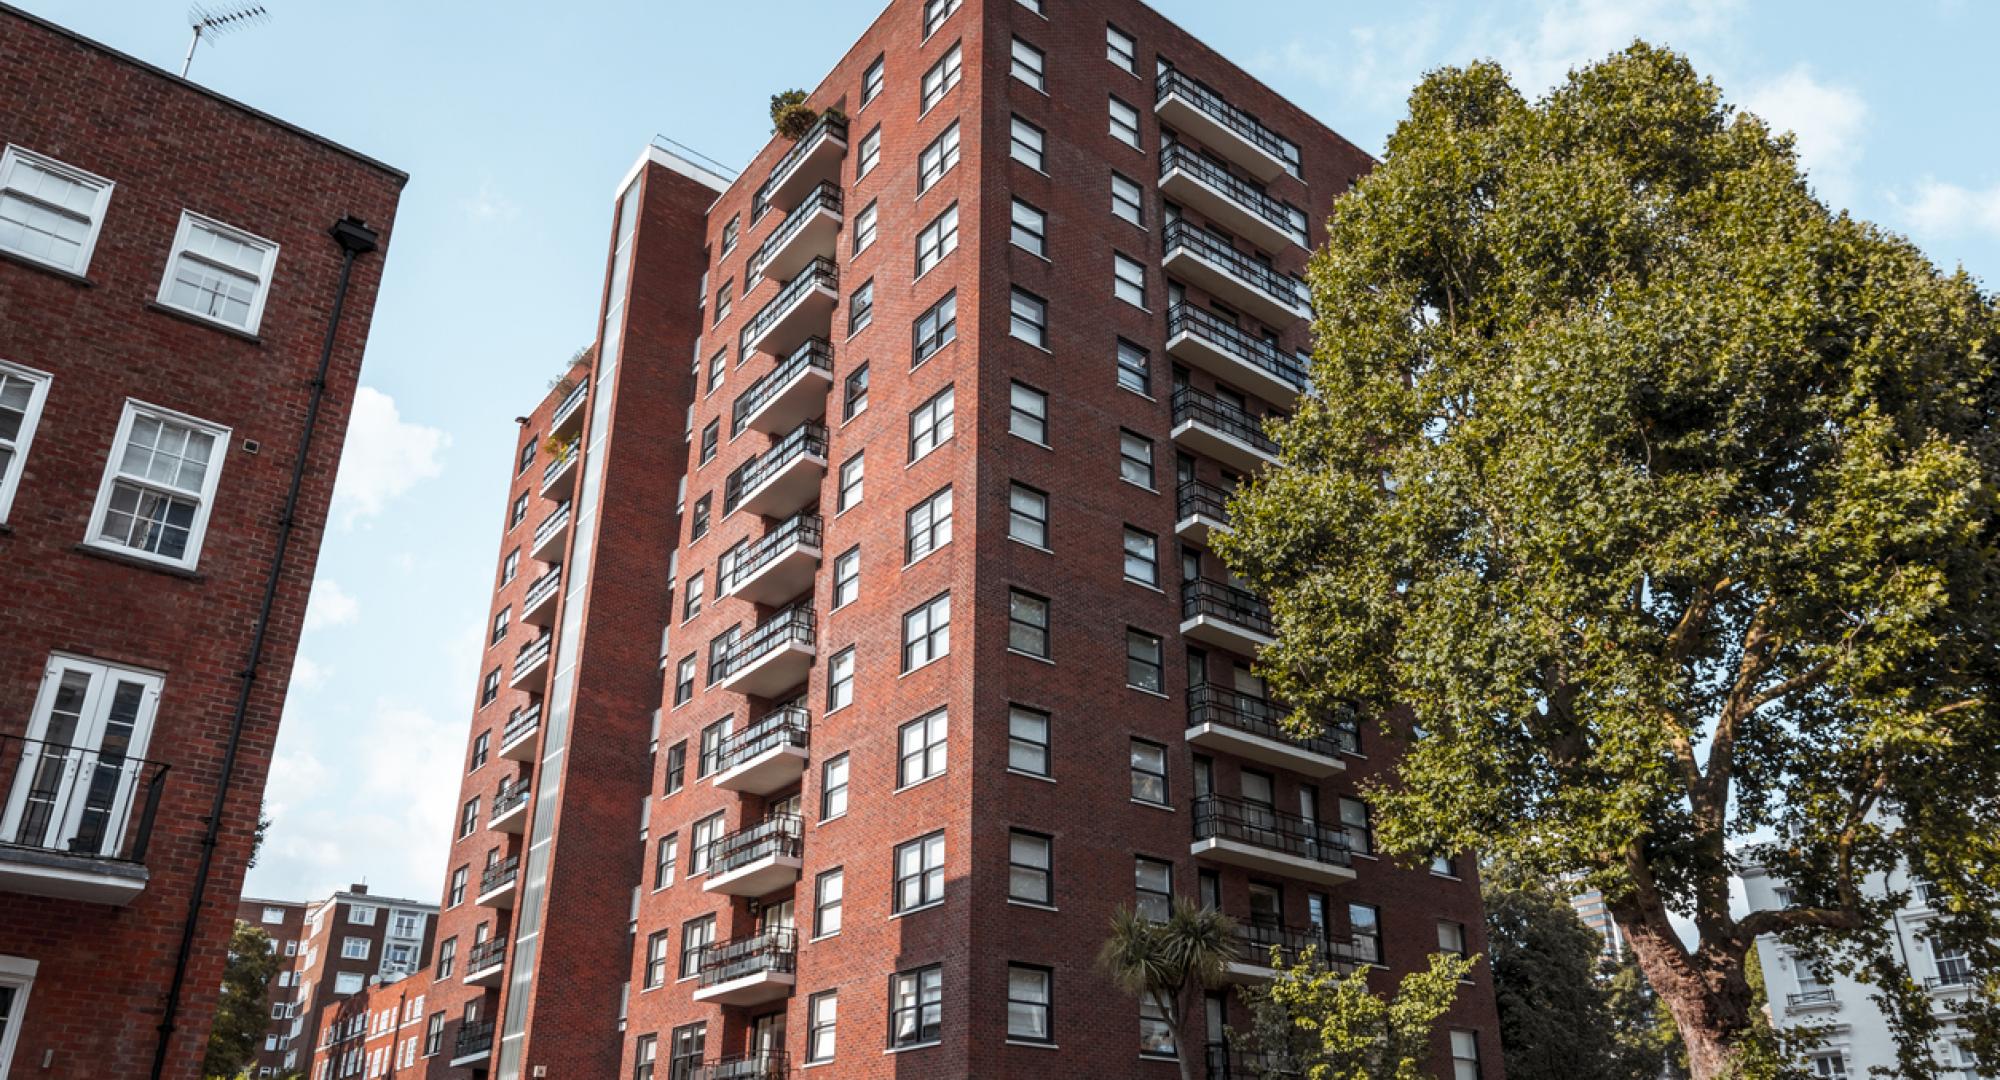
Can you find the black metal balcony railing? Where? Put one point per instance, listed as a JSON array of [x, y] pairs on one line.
[[552, 524], [1221, 817], [521, 723], [1200, 322], [1226, 1062], [562, 457], [500, 874], [763, 1065], [1281, 287], [799, 530], [1256, 938], [789, 726], [570, 402], [532, 653], [1231, 708], [1951, 973], [807, 438], [1194, 498], [778, 836], [1281, 214], [814, 353], [820, 273], [543, 588], [1251, 129], [826, 196], [830, 124], [1196, 406], [792, 626], [486, 954], [509, 797], [1806, 999], [77, 800], [1220, 600], [476, 1038], [774, 951]]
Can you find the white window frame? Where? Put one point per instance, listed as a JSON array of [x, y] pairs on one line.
[[94, 715], [15, 156], [937, 158], [1133, 195], [948, 70], [937, 240], [198, 529], [1026, 221], [17, 973], [1121, 48], [38, 394], [270, 251], [1126, 130], [1029, 64], [1017, 146]]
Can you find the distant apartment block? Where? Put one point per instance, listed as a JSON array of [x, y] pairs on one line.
[[1590, 907]]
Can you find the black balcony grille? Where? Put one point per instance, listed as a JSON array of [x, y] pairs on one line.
[[521, 724], [1258, 353], [97, 803], [1251, 129], [557, 463], [500, 874], [1281, 287], [473, 1039], [1226, 1062], [552, 524], [826, 196], [797, 531], [818, 274], [792, 626], [814, 353], [508, 798], [534, 652], [1286, 217], [789, 726], [779, 836], [774, 951], [1212, 704], [1198, 407], [766, 1065], [490, 953], [808, 439], [1808, 998], [570, 403], [1257, 937], [1220, 817], [1196, 499], [831, 125], [543, 589], [1219, 600]]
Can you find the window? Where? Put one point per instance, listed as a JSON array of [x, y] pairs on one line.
[[921, 749], [646, 1051], [1035, 6], [665, 855], [833, 788], [937, 158], [1135, 459], [1121, 49], [1143, 665], [1028, 999], [1156, 1036], [822, 1010], [854, 394], [850, 484], [847, 577], [941, 77], [50, 212], [1028, 65], [919, 873], [916, 1006], [1028, 623], [936, 12], [1134, 368], [274, 915], [1028, 516], [519, 511], [718, 369], [1465, 1057], [1126, 200], [1029, 318], [1444, 866], [1149, 772], [489, 688], [347, 982], [861, 308], [456, 895], [711, 747], [482, 747], [354, 948], [1130, 283], [935, 328], [447, 957], [22, 392], [1124, 123], [840, 680], [927, 527], [159, 486], [1028, 413], [871, 81], [1451, 937], [696, 934], [657, 946], [828, 890], [723, 299], [218, 272], [938, 239], [677, 756], [510, 566], [691, 604], [1028, 740], [709, 436], [684, 680], [1030, 229], [1354, 823], [700, 841], [931, 424], [468, 817], [500, 619], [698, 526], [434, 1034], [1364, 921], [927, 632], [730, 232], [868, 153], [864, 228], [1142, 557], [1030, 868], [1025, 144], [688, 1043], [1154, 882]]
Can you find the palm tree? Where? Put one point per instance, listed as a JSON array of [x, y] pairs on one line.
[[1160, 962]]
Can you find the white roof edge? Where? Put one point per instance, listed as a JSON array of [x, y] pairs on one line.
[[667, 159]]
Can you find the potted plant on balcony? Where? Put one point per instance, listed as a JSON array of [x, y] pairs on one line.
[[790, 115]]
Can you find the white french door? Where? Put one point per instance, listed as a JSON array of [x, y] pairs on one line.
[[80, 771]]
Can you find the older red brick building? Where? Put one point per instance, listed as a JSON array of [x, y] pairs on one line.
[[186, 286]]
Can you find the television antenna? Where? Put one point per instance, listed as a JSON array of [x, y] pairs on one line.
[[214, 22]]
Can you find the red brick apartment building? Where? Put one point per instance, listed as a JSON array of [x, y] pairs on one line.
[[384, 1031], [186, 286], [856, 646]]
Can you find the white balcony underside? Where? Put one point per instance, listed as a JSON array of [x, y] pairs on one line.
[[1264, 860], [1251, 746], [1183, 115], [753, 989], [758, 877], [1213, 442], [779, 767], [1213, 277], [1218, 205], [1199, 352], [782, 578], [777, 670]]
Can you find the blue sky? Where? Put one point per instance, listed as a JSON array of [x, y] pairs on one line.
[[515, 120]]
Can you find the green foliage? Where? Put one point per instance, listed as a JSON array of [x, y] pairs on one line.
[[1163, 962], [1645, 1041], [243, 1015], [1320, 1024], [791, 117], [1662, 501], [1555, 1023]]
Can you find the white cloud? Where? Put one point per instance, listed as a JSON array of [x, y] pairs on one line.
[[489, 204], [1574, 33], [1947, 211], [1827, 121], [308, 675], [330, 605], [384, 457]]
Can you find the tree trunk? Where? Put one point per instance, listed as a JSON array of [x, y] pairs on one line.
[[1170, 1007], [1706, 991]]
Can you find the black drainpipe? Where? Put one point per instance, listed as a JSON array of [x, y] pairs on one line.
[[355, 238]]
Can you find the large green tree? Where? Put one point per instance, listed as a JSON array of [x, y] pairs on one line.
[[1555, 1019], [1654, 505], [243, 1015]]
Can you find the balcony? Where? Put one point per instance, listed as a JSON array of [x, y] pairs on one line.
[[1261, 839], [1247, 727], [474, 1044], [1208, 425], [567, 422], [1203, 259], [773, 657], [1202, 339], [748, 971], [806, 234], [550, 535], [758, 860], [559, 475], [499, 883], [1222, 615], [813, 160], [538, 606], [766, 756], [1193, 109], [782, 480], [531, 662], [523, 734], [485, 963], [1811, 1001], [1255, 938], [764, 1065], [779, 566], [802, 309], [1230, 201], [510, 809], [1200, 511], [76, 821], [792, 393], [1226, 1062]]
